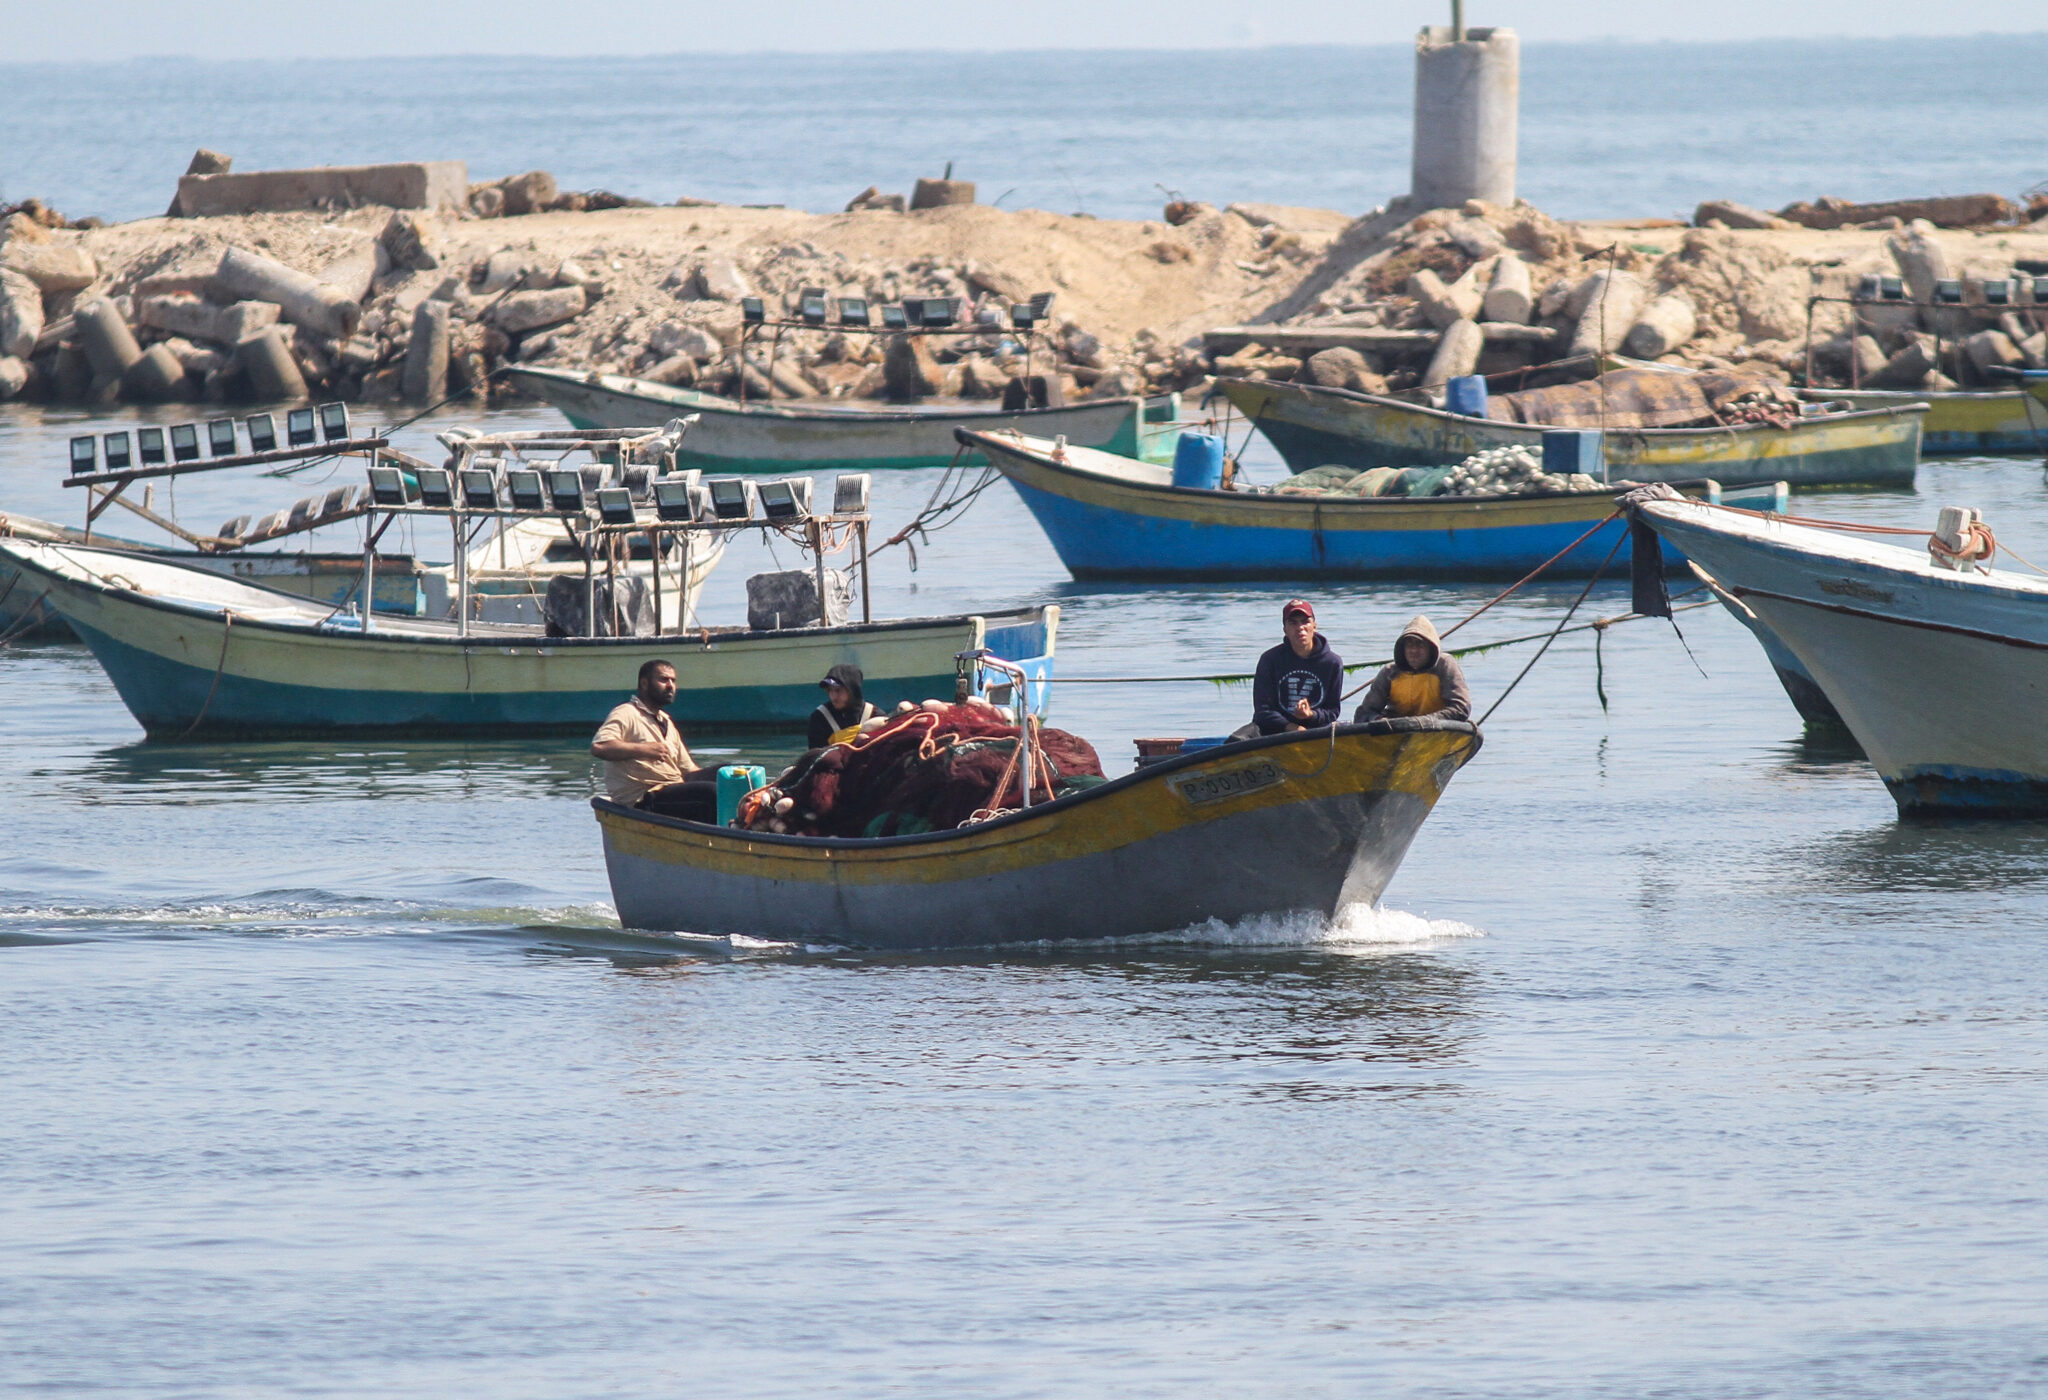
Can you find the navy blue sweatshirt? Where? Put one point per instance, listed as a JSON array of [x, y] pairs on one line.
[[1283, 678]]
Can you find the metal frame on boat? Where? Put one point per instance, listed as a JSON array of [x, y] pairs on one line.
[[1305, 822]]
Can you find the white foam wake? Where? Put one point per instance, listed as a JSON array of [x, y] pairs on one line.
[[1357, 927]]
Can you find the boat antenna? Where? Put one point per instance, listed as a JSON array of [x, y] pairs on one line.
[[1457, 21]]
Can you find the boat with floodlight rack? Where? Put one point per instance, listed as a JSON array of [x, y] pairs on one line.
[[195, 655], [758, 434]]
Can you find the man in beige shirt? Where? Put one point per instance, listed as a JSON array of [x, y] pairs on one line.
[[645, 762]]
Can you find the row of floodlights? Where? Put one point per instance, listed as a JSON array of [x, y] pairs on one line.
[[1998, 291], [679, 496], [153, 447], [814, 308]]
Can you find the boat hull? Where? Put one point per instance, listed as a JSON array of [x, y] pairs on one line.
[[1962, 424], [1313, 427], [185, 670], [1106, 525], [731, 437], [1940, 677], [1293, 824]]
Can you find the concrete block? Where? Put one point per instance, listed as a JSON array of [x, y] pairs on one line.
[[1457, 353], [1509, 297], [719, 279], [1467, 101], [156, 377], [1668, 322], [936, 194], [21, 314], [521, 312], [426, 354], [103, 334], [305, 300], [267, 363], [529, 193], [1443, 304], [1729, 214], [1612, 300], [181, 313], [434, 184], [13, 377], [52, 265], [245, 318]]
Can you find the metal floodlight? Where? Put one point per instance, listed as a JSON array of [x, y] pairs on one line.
[[116, 448], [387, 486], [262, 432], [753, 311], [437, 487], [853, 311], [1998, 292], [479, 488], [526, 489], [1022, 317], [939, 311], [812, 309], [1891, 289], [149, 446], [732, 497], [1869, 287], [184, 442], [850, 494], [788, 499], [334, 422], [2041, 291], [1949, 292], [85, 454], [673, 498], [1041, 304], [300, 430], [913, 311], [565, 490], [220, 437], [893, 318], [615, 505]]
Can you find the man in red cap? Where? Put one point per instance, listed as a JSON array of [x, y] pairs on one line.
[[1299, 683]]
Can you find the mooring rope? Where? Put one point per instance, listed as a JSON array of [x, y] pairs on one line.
[[226, 630], [1583, 594]]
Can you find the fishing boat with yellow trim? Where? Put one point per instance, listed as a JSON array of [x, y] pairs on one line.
[[1306, 822], [1115, 517], [1964, 422], [1313, 426]]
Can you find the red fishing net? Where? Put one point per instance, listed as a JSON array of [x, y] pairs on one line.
[[925, 770]]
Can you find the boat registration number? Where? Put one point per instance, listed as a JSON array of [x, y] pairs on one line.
[[1204, 788]]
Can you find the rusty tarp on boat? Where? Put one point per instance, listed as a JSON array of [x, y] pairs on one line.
[[1628, 398]]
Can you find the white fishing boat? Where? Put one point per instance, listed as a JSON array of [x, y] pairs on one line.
[[510, 571], [1939, 672]]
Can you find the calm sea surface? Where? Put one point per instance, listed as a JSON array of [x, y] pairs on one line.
[[1673, 1064]]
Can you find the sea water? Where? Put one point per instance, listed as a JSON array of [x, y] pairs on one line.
[[1672, 1062]]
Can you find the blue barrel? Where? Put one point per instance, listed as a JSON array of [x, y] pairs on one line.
[[734, 782], [1466, 394], [1198, 461], [1568, 450]]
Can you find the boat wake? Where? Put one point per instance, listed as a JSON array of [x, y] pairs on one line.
[[1357, 927]]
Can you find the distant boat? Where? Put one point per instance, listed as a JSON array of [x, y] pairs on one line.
[[1313, 426], [730, 436], [1112, 517], [195, 654], [1964, 422], [1307, 822], [1938, 675]]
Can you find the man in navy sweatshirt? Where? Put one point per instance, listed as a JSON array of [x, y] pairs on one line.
[[1299, 683]]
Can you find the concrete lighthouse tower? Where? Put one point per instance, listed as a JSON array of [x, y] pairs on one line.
[[1467, 98]]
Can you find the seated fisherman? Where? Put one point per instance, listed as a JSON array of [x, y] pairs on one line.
[[645, 763], [1420, 683], [843, 707], [1300, 683]]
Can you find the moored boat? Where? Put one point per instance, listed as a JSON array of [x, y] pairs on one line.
[[1312, 426], [1938, 674], [730, 436], [1112, 517], [1963, 422], [1307, 822], [194, 654]]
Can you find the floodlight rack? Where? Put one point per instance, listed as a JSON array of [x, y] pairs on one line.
[[1029, 337], [1856, 300]]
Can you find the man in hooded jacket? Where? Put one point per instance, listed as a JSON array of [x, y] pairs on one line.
[[843, 708], [1420, 683]]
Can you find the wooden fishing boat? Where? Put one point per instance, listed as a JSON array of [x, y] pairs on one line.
[[195, 654], [734, 437], [1937, 674], [1963, 422], [1112, 517], [1313, 426], [1308, 822]]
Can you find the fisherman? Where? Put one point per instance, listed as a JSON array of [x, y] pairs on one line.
[[843, 708], [1300, 683], [645, 763], [1421, 682]]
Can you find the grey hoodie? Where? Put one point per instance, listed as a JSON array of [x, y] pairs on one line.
[[1395, 688]]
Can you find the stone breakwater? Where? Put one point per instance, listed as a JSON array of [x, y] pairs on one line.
[[380, 305]]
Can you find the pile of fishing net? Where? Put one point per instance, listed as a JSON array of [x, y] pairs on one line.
[[928, 768], [1498, 471]]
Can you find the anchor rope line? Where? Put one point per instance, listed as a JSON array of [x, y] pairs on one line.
[[1979, 532], [226, 630], [29, 617], [1584, 593], [1528, 577]]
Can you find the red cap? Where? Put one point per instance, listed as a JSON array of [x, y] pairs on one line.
[[1298, 605]]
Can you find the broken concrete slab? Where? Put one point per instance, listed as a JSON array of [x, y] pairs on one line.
[[434, 184]]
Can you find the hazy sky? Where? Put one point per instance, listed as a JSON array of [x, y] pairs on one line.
[[35, 30]]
